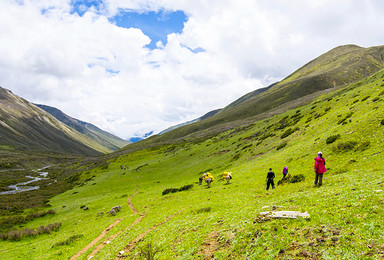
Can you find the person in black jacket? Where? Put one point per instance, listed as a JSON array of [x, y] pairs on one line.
[[270, 177]]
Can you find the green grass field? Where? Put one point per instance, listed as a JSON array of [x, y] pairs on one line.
[[222, 222]]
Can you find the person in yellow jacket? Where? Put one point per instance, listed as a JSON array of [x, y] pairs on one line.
[[227, 176], [208, 178]]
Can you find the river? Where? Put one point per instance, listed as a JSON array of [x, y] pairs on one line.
[[24, 186]]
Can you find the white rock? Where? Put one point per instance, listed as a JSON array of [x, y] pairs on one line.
[[285, 214]]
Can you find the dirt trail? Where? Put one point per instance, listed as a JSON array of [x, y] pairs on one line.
[[97, 239], [105, 231], [139, 237], [101, 246]]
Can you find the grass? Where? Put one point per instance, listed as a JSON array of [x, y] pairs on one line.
[[222, 221]]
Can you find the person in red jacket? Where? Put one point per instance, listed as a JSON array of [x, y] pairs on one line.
[[319, 168]]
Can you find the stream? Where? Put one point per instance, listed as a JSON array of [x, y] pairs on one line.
[[23, 186]]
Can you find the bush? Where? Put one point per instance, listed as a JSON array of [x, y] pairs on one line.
[[208, 209], [364, 146], [292, 179], [345, 146], [173, 190], [281, 146], [15, 235], [332, 138], [148, 251], [297, 178], [287, 133], [9, 222], [343, 120], [68, 241]]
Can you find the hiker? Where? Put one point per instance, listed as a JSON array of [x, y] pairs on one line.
[[285, 171], [208, 179], [227, 176], [319, 169], [201, 179], [270, 177]]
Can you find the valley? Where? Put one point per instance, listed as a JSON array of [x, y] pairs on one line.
[[223, 221]]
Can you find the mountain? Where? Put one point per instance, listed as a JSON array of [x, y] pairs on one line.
[[26, 127], [334, 69], [104, 138], [207, 115], [165, 213]]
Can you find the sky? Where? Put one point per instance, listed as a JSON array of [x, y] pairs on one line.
[[134, 67]]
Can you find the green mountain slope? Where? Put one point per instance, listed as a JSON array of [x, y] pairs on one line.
[[339, 66], [24, 126], [223, 222], [104, 138]]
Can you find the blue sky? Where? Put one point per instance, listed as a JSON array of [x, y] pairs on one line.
[[156, 25]]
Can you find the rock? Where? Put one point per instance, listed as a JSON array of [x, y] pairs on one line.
[[320, 240], [285, 214]]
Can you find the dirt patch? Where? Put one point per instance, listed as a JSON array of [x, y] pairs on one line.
[[210, 245]]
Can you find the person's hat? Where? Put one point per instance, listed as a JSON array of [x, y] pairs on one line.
[[319, 153]]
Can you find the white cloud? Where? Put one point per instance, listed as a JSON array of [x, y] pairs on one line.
[[103, 74]]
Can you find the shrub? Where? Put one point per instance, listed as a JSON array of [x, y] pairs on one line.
[[173, 190], [148, 251], [208, 209], [287, 133], [186, 187], [281, 146], [345, 146], [342, 120], [236, 157], [332, 138], [68, 241], [9, 222], [364, 146], [297, 178], [105, 167], [292, 179], [15, 235], [170, 190]]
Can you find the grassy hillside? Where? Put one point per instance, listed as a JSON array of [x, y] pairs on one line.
[[104, 138], [223, 222], [340, 66]]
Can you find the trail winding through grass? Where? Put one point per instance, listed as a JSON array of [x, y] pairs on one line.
[[139, 237], [105, 232]]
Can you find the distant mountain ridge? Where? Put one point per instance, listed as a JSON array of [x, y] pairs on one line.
[[207, 115], [26, 127], [337, 67], [102, 137]]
